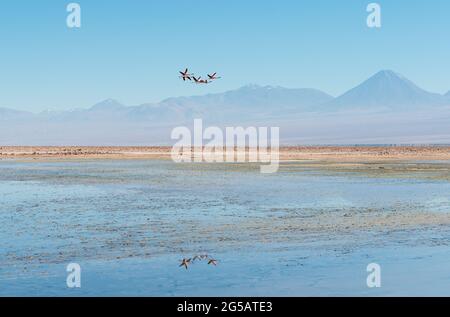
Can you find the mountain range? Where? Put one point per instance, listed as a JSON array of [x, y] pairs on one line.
[[305, 114]]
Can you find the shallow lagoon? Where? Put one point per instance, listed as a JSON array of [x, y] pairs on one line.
[[310, 229]]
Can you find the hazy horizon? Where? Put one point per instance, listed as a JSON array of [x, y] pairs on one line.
[[114, 100]]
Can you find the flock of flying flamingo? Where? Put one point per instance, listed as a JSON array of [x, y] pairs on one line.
[[187, 76]]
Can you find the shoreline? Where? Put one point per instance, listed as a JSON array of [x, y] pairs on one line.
[[287, 153]]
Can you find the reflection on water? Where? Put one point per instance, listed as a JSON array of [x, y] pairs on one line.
[[306, 230]]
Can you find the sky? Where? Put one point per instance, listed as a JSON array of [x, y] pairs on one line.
[[132, 50]]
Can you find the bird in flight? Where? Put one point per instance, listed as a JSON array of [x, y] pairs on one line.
[[185, 75], [200, 80], [213, 76]]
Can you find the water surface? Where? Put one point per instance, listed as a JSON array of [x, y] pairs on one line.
[[306, 230]]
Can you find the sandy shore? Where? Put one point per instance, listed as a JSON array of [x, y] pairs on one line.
[[321, 153]]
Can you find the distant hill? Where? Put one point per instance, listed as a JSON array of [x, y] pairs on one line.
[[247, 103], [10, 114]]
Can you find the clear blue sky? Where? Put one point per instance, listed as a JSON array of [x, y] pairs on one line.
[[131, 50]]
